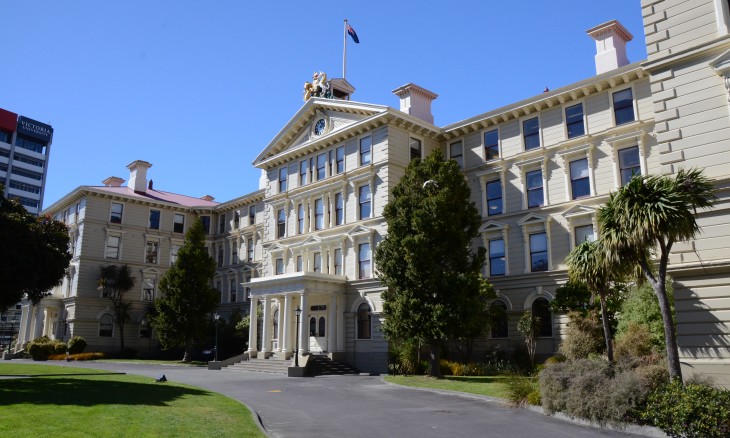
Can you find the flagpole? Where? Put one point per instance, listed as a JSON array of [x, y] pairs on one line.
[[344, 52]]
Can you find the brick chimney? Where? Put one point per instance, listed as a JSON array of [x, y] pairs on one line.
[[138, 175], [113, 181], [416, 101], [611, 38]]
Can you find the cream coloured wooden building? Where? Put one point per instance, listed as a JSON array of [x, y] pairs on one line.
[[538, 169]]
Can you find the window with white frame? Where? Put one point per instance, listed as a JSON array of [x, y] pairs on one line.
[[541, 311], [623, 106], [538, 252], [318, 214], [494, 197], [300, 219], [340, 159], [250, 248], [148, 289], [629, 163], [415, 147], [233, 291], [574, 121], [584, 233], [300, 263], [303, 173], [580, 185], [106, 326], [317, 262], [145, 331], [531, 133], [497, 259], [364, 321], [338, 261], [491, 144], [113, 245], [366, 150], [281, 223], [236, 219], [456, 153], [252, 215], [500, 322], [154, 223], [116, 212], [205, 221], [279, 266], [321, 166], [365, 201], [363, 257], [339, 209], [174, 249], [282, 179], [220, 257], [221, 224], [178, 223], [152, 248], [535, 193]]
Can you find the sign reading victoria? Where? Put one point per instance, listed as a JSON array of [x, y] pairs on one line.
[[34, 129]]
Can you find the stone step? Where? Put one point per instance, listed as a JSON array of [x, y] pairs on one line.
[[272, 366], [324, 366]]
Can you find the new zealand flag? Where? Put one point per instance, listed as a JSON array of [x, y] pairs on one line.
[[352, 33]]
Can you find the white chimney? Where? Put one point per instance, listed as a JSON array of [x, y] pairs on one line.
[[113, 181], [611, 39], [416, 101], [138, 176]]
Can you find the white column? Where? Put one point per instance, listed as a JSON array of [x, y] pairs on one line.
[[39, 320], [304, 327], [332, 324], [267, 327], [279, 325], [253, 326], [340, 323], [286, 324]]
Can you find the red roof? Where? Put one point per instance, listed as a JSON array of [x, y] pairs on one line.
[[156, 195]]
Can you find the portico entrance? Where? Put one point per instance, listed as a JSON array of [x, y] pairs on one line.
[[318, 329]]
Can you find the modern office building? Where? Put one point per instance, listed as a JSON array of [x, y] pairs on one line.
[[25, 145], [538, 169]]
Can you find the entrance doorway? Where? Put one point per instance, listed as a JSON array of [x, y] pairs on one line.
[[317, 331]]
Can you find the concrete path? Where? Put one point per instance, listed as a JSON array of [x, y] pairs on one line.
[[361, 406]]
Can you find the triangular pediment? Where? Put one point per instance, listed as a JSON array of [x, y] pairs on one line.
[[721, 64], [317, 121], [358, 230], [493, 226], [311, 240], [532, 218], [579, 210], [275, 247]]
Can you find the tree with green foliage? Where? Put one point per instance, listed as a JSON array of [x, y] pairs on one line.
[[529, 326], [587, 263], [642, 307], [114, 282], [642, 221], [181, 314], [427, 262], [33, 253]]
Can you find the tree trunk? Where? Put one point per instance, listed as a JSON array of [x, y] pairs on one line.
[[670, 337], [187, 355], [121, 336], [606, 325], [435, 359]]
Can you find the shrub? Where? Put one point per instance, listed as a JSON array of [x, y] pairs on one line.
[[520, 360], [78, 356], [76, 345], [41, 348], [593, 390], [583, 336], [522, 389], [641, 307], [636, 341], [691, 411], [404, 357], [558, 358]]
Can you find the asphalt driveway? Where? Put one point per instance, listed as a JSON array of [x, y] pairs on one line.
[[361, 406]]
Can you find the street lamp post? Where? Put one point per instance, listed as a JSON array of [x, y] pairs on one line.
[[298, 313], [216, 316]]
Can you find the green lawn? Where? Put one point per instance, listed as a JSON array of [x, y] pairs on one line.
[[101, 405], [494, 386]]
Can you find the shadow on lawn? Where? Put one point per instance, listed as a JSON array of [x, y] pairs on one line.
[[90, 392]]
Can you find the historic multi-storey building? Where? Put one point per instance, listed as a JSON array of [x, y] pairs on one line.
[[25, 145], [538, 170]]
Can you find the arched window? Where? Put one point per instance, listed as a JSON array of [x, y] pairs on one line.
[[312, 326], [541, 309], [276, 324], [106, 325], [364, 316], [322, 325], [500, 326]]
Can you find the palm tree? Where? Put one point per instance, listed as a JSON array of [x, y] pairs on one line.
[[114, 281], [642, 221], [587, 263]]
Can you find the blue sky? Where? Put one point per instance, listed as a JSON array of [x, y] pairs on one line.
[[198, 89]]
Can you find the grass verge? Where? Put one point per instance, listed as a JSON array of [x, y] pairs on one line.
[[493, 386], [93, 405]]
